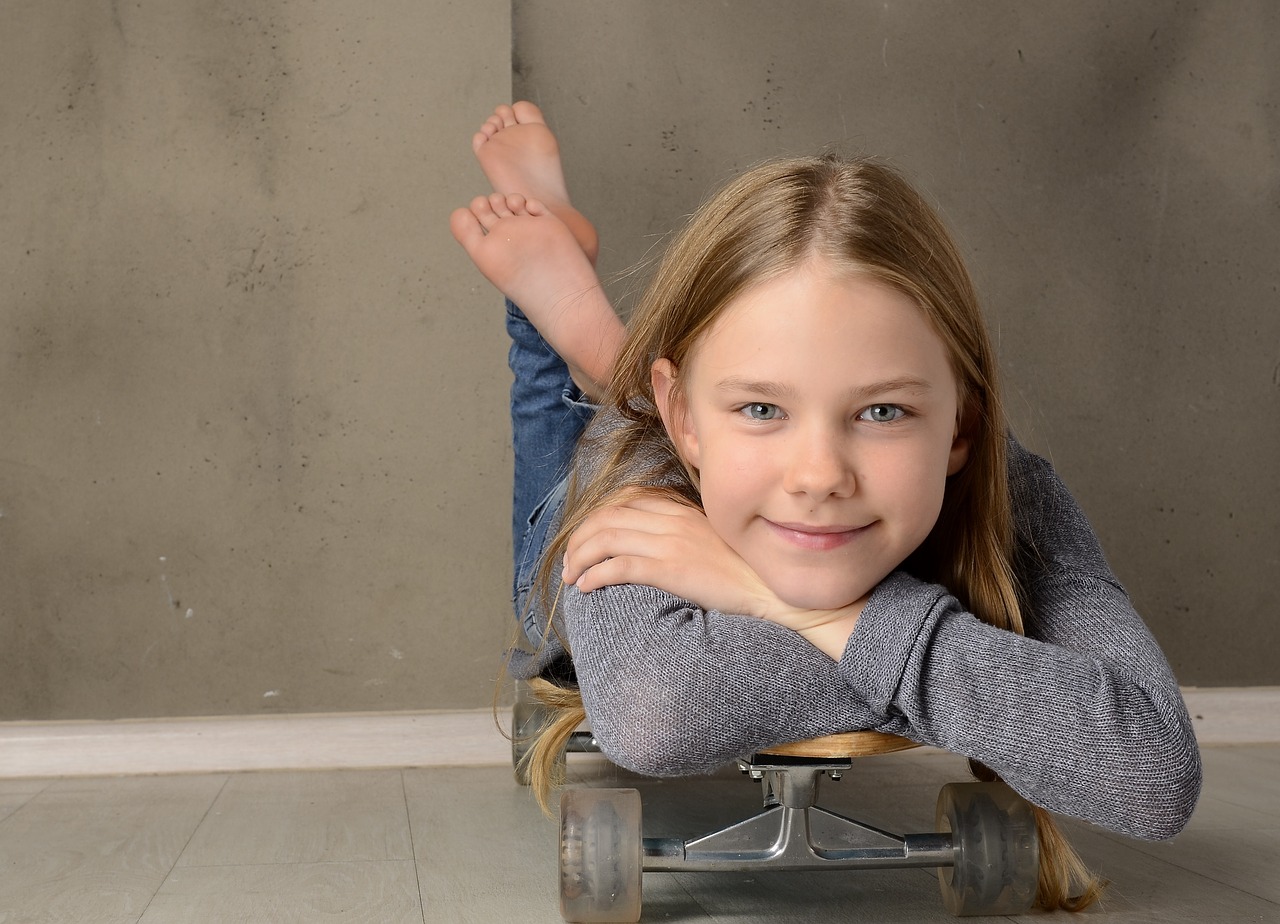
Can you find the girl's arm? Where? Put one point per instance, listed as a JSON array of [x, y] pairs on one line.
[[671, 689], [1085, 720], [1088, 696], [1084, 717]]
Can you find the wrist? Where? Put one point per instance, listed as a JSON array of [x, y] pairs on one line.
[[826, 630], [831, 637]]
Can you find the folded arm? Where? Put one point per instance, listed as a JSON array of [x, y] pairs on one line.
[[1083, 716]]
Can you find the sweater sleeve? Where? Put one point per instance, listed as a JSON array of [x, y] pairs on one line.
[[1093, 727], [671, 689], [1083, 716]]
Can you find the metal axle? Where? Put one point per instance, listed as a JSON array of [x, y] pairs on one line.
[[793, 833]]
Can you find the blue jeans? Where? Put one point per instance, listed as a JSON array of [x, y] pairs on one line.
[[548, 414]]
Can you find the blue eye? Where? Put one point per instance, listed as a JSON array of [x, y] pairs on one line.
[[760, 411], [882, 413]]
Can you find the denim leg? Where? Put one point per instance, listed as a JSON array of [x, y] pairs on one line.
[[548, 414], [543, 525]]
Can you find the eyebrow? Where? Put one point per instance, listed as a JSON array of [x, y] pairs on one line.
[[860, 393]]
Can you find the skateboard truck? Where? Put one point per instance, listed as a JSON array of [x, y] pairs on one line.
[[986, 847]]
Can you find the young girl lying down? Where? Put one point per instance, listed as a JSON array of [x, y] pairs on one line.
[[798, 510]]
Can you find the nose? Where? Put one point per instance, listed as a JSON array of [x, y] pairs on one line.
[[819, 465]]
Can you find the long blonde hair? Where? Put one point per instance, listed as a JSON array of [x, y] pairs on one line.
[[858, 217]]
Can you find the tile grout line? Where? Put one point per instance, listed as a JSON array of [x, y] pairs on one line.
[[413, 848], [190, 837], [30, 797]]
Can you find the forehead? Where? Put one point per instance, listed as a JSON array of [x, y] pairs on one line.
[[815, 324]]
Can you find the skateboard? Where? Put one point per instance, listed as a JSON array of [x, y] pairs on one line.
[[986, 848]]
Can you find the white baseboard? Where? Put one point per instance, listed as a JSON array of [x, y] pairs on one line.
[[1234, 715], [1248, 715], [237, 743]]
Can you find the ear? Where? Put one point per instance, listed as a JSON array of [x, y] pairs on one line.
[[961, 443], [673, 410]]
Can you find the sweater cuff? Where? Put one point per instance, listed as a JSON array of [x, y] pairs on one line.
[[876, 655]]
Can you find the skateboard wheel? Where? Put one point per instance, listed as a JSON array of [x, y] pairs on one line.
[[997, 849], [601, 855]]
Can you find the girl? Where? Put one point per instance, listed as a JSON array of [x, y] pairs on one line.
[[798, 513]]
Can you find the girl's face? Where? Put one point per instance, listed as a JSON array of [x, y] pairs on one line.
[[821, 413]]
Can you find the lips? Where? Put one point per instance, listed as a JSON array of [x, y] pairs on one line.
[[816, 538]]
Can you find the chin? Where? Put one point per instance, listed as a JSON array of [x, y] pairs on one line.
[[819, 598]]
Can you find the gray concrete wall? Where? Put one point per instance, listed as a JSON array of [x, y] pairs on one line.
[[255, 451], [254, 427], [1111, 170]]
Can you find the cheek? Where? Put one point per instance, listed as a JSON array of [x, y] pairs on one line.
[[918, 486], [732, 491], [720, 500], [930, 490]]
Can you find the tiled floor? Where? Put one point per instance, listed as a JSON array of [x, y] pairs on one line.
[[468, 845]]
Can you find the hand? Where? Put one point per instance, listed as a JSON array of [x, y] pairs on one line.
[[658, 541]]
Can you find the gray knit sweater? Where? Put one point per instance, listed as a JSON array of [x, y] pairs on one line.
[[1082, 716]]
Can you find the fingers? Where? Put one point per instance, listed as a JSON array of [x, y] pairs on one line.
[[645, 529], [623, 569], [611, 533]]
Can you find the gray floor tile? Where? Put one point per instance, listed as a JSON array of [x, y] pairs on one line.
[[354, 892], [304, 818], [1144, 888], [482, 846], [85, 896], [1216, 813], [1233, 838], [16, 793], [1243, 858], [331, 787], [96, 850], [21, 787], [1247, 776], [134, 790], [468, 845]]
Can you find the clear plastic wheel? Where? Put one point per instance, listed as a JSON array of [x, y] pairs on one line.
[[601, 855], [997, 865]]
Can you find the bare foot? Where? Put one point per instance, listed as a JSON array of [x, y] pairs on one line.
[[536, 261], [519, 154]]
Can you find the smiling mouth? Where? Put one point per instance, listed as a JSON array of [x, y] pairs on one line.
[[816, 538]]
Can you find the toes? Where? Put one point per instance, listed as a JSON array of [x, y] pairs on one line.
[[499, 206], [507, 205], [506, 116], [488, 129], [466, 228], [482, 209], [486, 212], [525, 112]]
